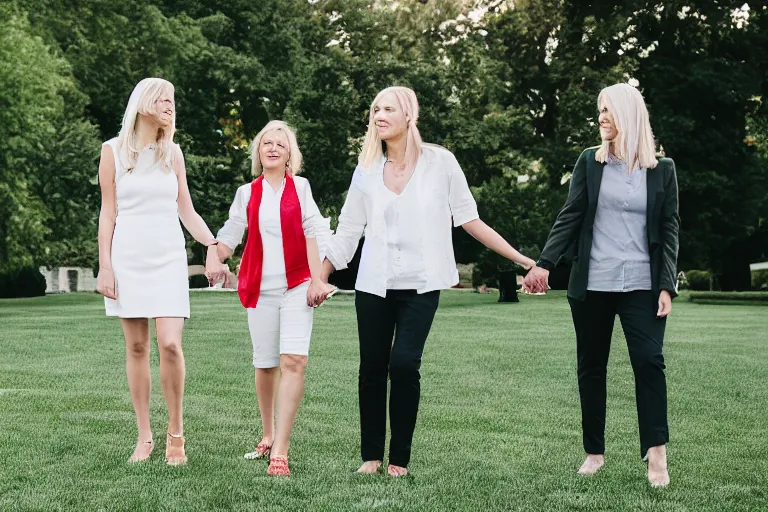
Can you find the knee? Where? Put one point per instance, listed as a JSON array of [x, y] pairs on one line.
[[290, 363], [404, 368], [648, 362], [138, 349], [169, 348]]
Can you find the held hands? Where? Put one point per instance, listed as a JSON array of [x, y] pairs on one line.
[[665, 304], [105, 283], [319, 291], [536, 281], [215, 270]]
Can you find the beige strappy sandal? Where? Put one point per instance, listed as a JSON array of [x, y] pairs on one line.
[[174, 450]]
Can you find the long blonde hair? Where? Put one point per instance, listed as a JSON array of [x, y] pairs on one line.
[[634, 141], [372, 147], [295, 159], [142, 101]]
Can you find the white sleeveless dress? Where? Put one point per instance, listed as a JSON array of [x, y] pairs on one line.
[[149, 258]]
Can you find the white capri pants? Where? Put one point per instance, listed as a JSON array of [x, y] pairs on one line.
[[281, 323]]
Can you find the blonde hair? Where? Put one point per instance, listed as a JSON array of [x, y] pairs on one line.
[[634, 141], [372, 147], [142, 101], [293, 166]]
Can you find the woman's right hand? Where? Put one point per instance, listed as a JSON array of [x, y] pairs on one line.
[[215, 270], [105, 283], [319, 291]]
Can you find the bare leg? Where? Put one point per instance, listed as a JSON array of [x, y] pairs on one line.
[[266, 391], [289, 397], [658, 475], [136, 332], [172, 369]]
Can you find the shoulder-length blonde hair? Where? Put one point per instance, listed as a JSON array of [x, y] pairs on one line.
[[373, 147], [142, 101], [293, 166], [634, 141]]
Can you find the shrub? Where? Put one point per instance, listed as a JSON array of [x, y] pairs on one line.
[[760, 280], [732, 298], [22, 282], [198, 281], [699, 280]]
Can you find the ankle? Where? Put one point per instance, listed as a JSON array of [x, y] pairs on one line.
[[144, 437]]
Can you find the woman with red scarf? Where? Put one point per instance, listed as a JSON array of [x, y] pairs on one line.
[[278, 281]]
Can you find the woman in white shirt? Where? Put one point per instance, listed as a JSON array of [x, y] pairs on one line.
[[278, 281], [403, 197]]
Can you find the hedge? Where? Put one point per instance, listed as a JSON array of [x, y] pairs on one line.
[[22, 282], [733, 298]]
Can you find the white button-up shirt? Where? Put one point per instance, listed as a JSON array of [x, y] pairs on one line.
[[440, 194], [273, 267], [405, 269]]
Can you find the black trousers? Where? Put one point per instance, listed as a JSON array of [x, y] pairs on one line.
[[593, 320], [405, 317]]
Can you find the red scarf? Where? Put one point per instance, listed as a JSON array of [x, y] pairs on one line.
[[294, 243]]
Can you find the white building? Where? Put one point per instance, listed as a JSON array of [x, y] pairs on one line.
[[68, 279]]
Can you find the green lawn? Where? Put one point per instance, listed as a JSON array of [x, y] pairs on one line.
[[498, 427]]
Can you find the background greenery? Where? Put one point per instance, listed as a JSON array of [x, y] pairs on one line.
[[509, 87], [499, 422]]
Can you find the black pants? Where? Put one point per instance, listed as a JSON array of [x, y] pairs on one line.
[[593, 320], [407, 317]]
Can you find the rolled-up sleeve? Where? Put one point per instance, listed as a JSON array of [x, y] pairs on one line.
[[231, 234], [352, 221], [460, 199], [315, 225]]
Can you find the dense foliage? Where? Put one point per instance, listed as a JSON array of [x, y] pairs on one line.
[[510, 89]]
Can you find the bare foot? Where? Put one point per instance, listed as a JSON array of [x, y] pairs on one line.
[[393, 470], [658, 475], [592, 464], [369, 467], [142, 451]]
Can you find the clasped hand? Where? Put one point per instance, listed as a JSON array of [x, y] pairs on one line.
[[536, 281], [319, 291], [215, 270]]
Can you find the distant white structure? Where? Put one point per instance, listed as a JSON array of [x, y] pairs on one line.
[[758, 266], [68, 279]]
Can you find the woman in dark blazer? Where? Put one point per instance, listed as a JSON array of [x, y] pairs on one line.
[[620, 227]]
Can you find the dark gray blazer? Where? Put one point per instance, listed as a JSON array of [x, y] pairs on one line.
[[571, 236]]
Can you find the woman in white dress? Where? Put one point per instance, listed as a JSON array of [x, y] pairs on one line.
[[142, 255], [279, 279]]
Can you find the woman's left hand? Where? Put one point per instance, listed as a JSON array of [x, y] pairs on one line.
[[665, 304], [318, 291]]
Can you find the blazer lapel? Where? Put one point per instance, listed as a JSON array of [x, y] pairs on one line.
[[653, 184], [594, 178]]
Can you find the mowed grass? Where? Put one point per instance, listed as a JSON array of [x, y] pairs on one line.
[[498, 428]]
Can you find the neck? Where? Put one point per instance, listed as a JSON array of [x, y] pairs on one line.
[[396, 149], [146, 131], [274, 176]]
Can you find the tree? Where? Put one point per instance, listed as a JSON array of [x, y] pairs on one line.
[[43, 146]]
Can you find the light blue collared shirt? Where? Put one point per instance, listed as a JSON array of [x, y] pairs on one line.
[[619, 260]]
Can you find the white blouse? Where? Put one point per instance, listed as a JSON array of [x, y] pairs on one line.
[[405, 264], [436, 194], [314, 224]]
